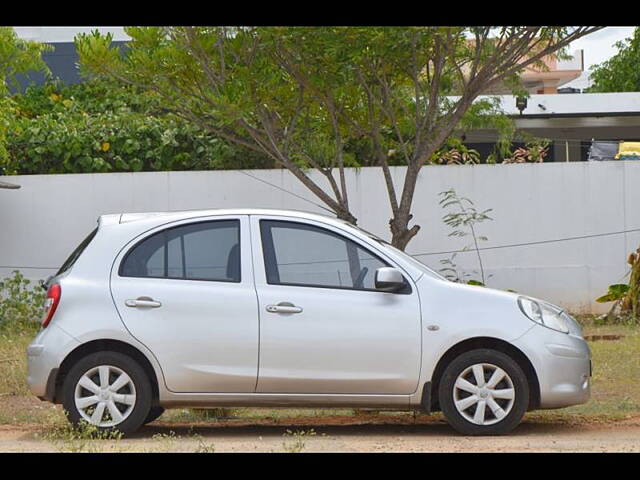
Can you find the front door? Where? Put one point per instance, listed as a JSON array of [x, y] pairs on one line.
[[324, 328], [186, 292]]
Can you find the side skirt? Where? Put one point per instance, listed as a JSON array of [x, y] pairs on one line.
[[284, 400]]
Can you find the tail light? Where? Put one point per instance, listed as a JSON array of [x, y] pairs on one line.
[[51, 303]]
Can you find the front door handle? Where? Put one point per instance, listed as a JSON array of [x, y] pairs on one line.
[[284, 307], [142, 302]]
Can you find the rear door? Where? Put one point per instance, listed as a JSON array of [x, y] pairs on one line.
[[185, 290]]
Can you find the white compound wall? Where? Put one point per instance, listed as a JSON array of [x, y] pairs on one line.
[[41, 223]]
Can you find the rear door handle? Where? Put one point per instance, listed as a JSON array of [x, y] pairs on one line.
[[142, 302], [284, 307]]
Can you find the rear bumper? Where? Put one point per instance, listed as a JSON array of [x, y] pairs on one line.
[[563, 365], [44, 356]]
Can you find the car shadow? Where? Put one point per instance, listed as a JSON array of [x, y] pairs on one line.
[[246, 429]]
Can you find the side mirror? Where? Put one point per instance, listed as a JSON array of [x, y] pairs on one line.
[[389, 279]]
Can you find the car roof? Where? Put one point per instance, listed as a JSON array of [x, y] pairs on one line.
[[121, 218]]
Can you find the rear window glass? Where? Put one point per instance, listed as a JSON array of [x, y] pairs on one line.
[[197, 251], [68, 263]]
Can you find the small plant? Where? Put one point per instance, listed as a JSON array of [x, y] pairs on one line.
[[463, 221], [82, 438], [298, 437], [20, 303], [626, 297], [203, 447], [167, 440], [454, 152], [165, 436], [534, 151], [451, 271]]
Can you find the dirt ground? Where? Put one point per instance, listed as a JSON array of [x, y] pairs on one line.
[[609, 422], [338, 434]]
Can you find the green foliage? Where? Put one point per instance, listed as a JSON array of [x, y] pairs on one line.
[[316, 97], [620, 73], [615, 292], [21, 304], [84, 437], [16, 57], [534, 151], [455, 152], [90, 97], [106, 126], [487, 114]]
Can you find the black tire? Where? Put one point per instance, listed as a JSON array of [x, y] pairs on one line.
[[135, 372], [492, 357], [154, 414]]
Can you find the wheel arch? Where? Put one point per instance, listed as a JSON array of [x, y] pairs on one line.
[[100, 346], [492, 343]]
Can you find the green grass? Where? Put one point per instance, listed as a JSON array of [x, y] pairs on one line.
[[615, 389], [13, 361]]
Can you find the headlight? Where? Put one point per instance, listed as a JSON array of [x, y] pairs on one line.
[[544, 313]]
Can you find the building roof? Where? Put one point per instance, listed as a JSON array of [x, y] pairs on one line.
[[574, 104]]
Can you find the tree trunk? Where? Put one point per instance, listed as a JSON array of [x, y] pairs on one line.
[[401, 234]]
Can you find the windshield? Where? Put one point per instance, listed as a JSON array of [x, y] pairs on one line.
[[405, 256]]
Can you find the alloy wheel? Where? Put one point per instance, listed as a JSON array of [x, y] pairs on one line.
[[105, 396], [483, 394]]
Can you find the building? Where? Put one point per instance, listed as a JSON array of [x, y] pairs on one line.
[[63, 59], [555, 73], [570, 121]]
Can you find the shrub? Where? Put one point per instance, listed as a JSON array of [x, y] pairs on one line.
[[454, 152], [20, 303], [100, 126]]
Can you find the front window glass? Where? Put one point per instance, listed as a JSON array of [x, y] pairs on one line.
[[408, 258], [301, 254]]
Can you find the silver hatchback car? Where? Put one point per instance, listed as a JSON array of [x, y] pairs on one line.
[[282, 308]]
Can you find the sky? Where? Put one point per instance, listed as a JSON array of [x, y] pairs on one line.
[[598, 47]]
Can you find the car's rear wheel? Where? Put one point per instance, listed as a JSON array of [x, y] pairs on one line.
[[484, 392], [109, 390]]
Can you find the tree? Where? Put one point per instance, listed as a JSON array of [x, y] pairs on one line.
[[620, 73], [16, 57], [302, 94]]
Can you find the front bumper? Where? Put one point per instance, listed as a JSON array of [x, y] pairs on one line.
[[44, 355], [562, 363]]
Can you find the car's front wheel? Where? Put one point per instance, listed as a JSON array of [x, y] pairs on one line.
[[109, 390], [483, 392], [153, 414]]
